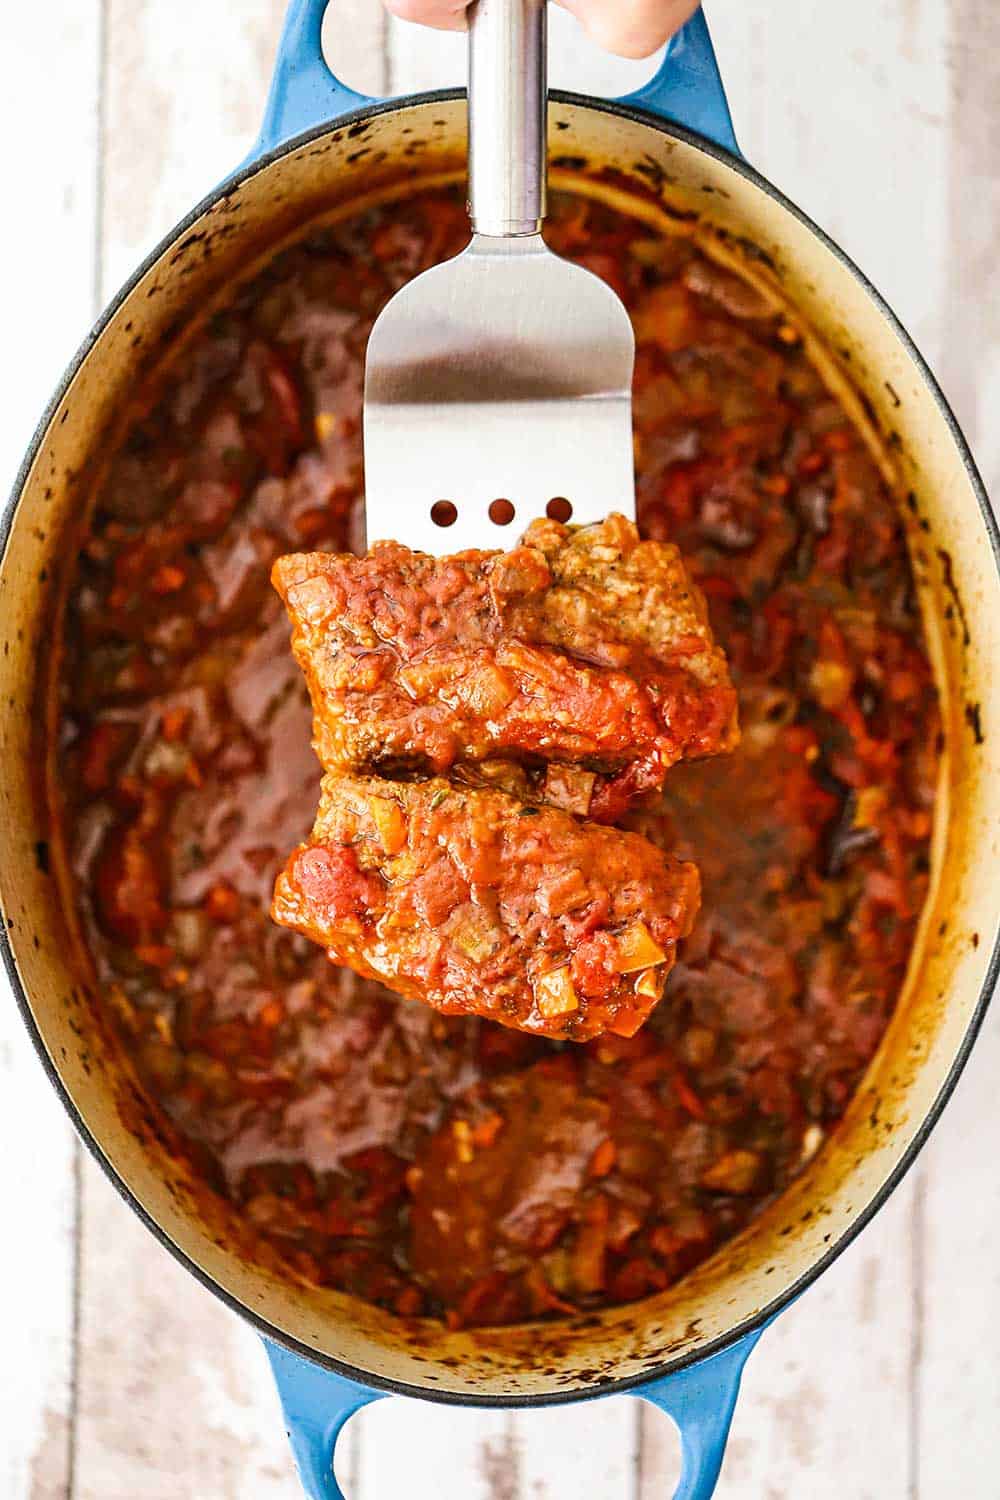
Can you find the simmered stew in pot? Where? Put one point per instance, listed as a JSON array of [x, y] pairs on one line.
[[445, 1165]]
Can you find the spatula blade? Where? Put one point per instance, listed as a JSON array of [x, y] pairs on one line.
[[504, 374]]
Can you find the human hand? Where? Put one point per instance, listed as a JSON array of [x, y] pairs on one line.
[[631, 28]]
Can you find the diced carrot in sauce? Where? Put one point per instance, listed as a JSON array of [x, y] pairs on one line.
[[222, 903], [603, 1159]]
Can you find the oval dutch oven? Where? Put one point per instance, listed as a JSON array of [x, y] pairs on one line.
[[325, 149]]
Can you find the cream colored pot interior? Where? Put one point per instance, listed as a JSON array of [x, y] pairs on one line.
[[958, 576]]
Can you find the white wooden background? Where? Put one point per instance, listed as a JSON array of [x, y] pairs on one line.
[[120, 1378]]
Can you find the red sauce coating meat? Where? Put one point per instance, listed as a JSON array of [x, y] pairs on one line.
[[329, 1112], [477, 903], [579, 645], [584, 644]]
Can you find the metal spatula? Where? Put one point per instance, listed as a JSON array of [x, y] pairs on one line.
[[498, 385]]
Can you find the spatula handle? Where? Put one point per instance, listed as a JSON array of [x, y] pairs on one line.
[[507, 93]]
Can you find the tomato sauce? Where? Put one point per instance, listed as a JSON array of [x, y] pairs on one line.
[[445, 1165]]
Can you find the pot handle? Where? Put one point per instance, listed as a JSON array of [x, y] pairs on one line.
[[316, 1404], [304, 92], [688, 88], [701, 1400]]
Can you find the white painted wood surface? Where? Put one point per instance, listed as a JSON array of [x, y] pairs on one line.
[[122, 1377], [48, 243]]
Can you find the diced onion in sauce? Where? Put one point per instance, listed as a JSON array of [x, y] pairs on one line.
[[462, 1135], [830, 682], [567, 891], [403, 867], [475, 934], [812, 1139], [506, 775], [554, 993], [869, 802], [166, 762], [389, 822], [486, 691], [733, 1172], [637, 949], [570, 788], [312, 598], [325, 424], [189, 930], [650, 983]]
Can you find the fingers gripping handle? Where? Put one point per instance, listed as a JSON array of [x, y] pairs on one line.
[[316, 1405], [304, 92]]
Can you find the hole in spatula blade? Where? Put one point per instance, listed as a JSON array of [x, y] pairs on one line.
[[501, 512], [559, 508], [444, 513]]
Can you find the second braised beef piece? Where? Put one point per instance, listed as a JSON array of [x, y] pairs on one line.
[[476, 903]]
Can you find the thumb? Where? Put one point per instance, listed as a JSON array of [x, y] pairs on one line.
[[630, 28], [443, 15]]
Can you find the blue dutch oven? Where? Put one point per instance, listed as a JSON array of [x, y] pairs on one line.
[[667, 153]]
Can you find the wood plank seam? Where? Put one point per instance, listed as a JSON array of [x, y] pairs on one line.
[[103, 63], [74, 1357], [97, 302], [918, 1273]]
